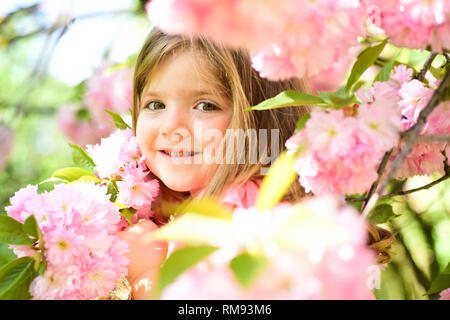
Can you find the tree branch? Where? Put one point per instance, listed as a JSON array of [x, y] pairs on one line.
[[434, 138], [374, 186], [421, 75], [411, 136], [402, 193]]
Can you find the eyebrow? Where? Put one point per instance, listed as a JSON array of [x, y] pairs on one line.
[[191, 92]]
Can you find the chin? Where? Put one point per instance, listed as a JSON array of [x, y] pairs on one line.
[[181, 186]]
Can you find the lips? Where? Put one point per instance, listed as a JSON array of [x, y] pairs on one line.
[[179, 154]]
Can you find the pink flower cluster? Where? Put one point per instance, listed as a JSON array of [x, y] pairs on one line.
[[414, 23], [291, 38], [78, 222], [106, 90], [329, 80], [118, 158], [316, 250], [6, 145], [342, 153], [445, 294], [412, 96]]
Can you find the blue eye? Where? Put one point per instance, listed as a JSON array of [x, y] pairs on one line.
[[155, 105], [207, 106]]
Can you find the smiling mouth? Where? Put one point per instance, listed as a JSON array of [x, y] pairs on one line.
[[179, 154]]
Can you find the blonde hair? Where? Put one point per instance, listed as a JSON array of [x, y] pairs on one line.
[[233, 75]]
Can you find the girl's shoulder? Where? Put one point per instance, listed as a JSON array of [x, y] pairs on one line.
[[242, 195]]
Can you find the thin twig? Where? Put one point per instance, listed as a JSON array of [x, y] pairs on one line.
[[380, 170], [434, 138], [9, 16], [402, 193], [415, 130], [69, 22], [421, 75], [411, 137]]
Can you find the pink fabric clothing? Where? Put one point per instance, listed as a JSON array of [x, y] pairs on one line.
[[241, 196]]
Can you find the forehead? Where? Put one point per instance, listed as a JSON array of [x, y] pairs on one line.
[[184, 72]]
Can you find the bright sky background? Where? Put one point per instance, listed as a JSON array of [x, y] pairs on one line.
[[82, 48]]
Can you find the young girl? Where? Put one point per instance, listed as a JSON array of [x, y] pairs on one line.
[[188, 101], [187, 94]]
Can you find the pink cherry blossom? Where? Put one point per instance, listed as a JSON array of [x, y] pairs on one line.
[[332, 78], [331, 267], [113, 152], [438, 122], [343, 152], [381, 121], [99, 278], [79, 224], [19, 202], [285, 39], [135, 191], [415, 23], [56, 283], [63, 246], [415, 97], [424, 159], [7, 143], [445, 294], [81, 132], [109, 89], [401, 74]]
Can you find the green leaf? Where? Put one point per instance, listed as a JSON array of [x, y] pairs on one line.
[[15, 278], [127, 213], [337, 99], [11, 232], [301, 123], [206, 206], [289, 98], [385, 72], [42, 267], [6, 254], [180, 261], [112, 190], [72, 173], [446, 270], [381, 214], [118, 121], [49, 184], [193, 228], [357, 86], [82, 115], [81, 158], [30, 226], [440, 283], [363, 62], [279, 178], [246, 267]]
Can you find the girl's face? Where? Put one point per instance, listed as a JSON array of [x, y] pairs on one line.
[[182, 120]]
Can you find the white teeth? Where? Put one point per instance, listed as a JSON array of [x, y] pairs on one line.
[[180, 154]]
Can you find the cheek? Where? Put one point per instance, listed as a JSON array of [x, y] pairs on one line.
[[146, 133], [214, 128], [212, 135]]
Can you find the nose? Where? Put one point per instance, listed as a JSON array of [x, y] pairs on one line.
[[175, 124]]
